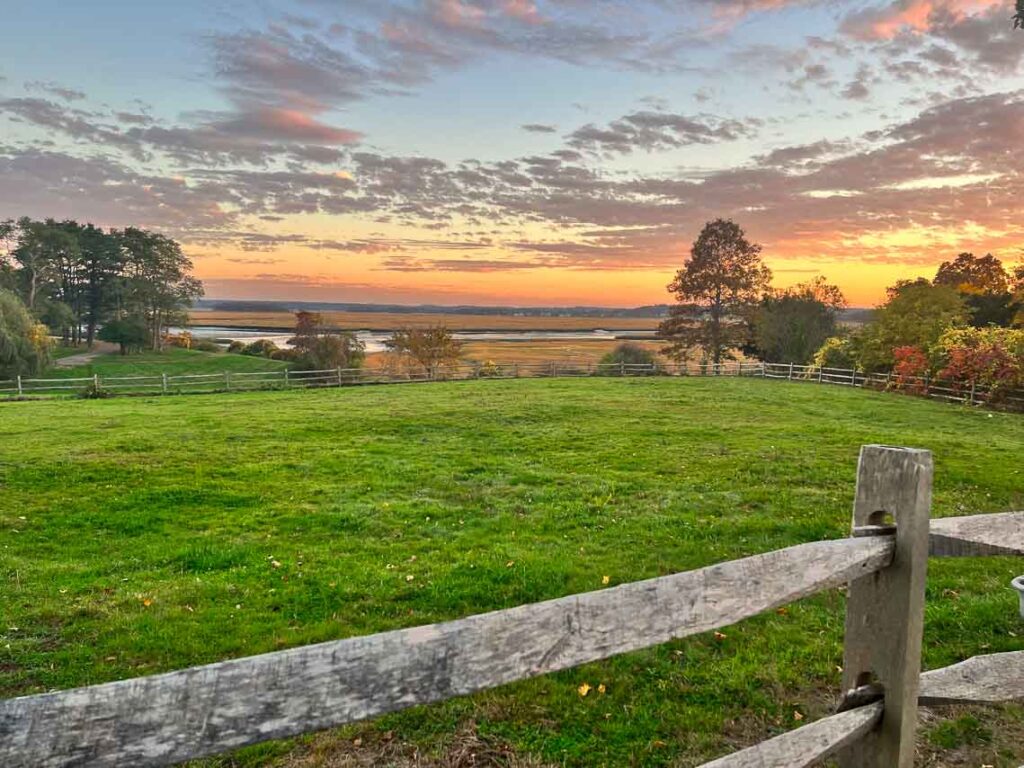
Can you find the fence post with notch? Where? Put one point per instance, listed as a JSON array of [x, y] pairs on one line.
[[885, 610]]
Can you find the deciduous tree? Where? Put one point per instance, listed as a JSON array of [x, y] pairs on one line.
[[790, 325], [316, 347], [720, 284], [24, 343], [985, 286], [916, 315], [157, 283], [432, 348], [130, 333]]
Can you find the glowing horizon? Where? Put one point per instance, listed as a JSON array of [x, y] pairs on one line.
[[522, 153]]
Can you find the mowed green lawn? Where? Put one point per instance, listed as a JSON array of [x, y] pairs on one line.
[[145, 535], [172, 361]]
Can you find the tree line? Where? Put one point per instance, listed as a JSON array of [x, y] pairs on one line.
[[965, 322], [83, 283]]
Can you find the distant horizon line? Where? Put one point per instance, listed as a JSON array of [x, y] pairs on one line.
[[227, 304]]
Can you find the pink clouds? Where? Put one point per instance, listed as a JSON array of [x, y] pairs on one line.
[[885, 23], [522, 10], [458, 14], [737, 8], [282, 124]]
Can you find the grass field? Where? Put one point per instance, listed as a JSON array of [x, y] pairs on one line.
[[144, 535], [389, 321], [172, 361]]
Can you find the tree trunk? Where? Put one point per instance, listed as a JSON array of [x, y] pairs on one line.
[[716, 334]]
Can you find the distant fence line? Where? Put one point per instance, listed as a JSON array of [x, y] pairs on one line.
[[233, 381], [207, 710]]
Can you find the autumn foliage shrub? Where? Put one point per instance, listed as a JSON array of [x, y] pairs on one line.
[[910, 368], [989, 359]]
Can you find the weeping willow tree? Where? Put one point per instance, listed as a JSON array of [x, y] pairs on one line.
[[24, 343]]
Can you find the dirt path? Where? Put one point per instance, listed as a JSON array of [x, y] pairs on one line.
[[82, 358]]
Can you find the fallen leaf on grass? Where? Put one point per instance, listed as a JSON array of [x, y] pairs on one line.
[[584, 689]]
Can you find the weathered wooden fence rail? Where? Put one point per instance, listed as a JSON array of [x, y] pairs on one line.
[[168, 718], [231, 381]]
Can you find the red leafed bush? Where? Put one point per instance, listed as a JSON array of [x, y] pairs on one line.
[[988, 366], [910, 368], [989, 361]]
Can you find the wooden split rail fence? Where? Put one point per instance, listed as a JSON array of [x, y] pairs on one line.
[[206, 710], [229, 381]]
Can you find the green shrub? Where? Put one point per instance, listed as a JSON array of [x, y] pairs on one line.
[[287, 354], [260, 348], [625, 355], [95, 392], [236, 347], [836, 352], [129, 333], [205, 345]]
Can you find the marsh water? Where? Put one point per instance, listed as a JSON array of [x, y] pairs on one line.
[[374, 340]]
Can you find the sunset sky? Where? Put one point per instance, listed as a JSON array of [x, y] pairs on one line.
[[519, 152]]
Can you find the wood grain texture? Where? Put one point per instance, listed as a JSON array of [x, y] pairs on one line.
[[991, 679], [885, 611], [977, 535], [205, 710], [807, 745]]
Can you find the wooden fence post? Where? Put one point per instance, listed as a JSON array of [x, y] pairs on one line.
[[163, 383], [287, 382], [790, 372], [20, 391], [339, 375], [885, 610], [971, 401], [227, 380]]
